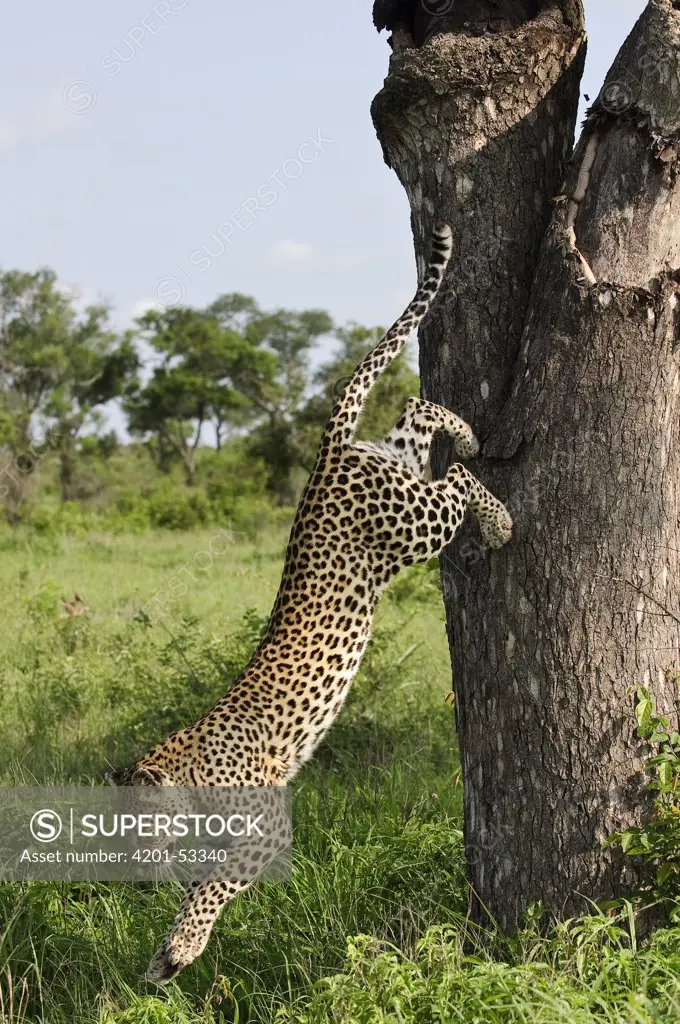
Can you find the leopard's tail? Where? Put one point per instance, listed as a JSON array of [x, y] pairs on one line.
[[343, 420]]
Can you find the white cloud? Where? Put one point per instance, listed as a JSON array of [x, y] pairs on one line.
[[140, 307], [80, 297], [9, 135], [288, 253], [125, 318], [38, 121]]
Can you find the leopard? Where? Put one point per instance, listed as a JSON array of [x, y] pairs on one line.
[[368, 510]]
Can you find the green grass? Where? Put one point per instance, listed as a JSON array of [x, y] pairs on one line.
[[372, 926]]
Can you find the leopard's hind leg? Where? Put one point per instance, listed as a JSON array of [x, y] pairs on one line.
[[439, 507], [493, 517], [408, 520]]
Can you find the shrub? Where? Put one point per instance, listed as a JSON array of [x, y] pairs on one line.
[[236, 484], [174, 509], [657, 843]]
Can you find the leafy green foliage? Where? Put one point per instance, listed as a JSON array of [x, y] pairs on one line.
[[582, 974], [657, 843]]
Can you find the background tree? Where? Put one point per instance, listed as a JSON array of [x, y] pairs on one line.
[[193, 383], [231, 365], [98, 368], [557, 338], [287, 338], [57, 366]]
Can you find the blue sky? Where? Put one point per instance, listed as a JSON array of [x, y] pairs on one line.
[[131, 131]]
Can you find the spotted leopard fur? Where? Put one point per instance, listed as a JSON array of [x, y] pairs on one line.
[[366, 512]]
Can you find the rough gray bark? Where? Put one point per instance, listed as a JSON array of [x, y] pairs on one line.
[[564, 357]]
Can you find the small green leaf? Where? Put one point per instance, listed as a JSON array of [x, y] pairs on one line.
[[643, 713], [627, 839], [664, 871]]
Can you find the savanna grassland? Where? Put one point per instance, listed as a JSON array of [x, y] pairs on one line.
[[372, 926]]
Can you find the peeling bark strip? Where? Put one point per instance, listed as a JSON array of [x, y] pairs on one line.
[[564, 355]]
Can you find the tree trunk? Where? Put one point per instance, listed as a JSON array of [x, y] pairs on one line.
[[67, 470], [161, 452], [562, 353], [13, 489]]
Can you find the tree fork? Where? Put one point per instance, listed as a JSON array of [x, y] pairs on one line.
[[580, 412], [479, 130]]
